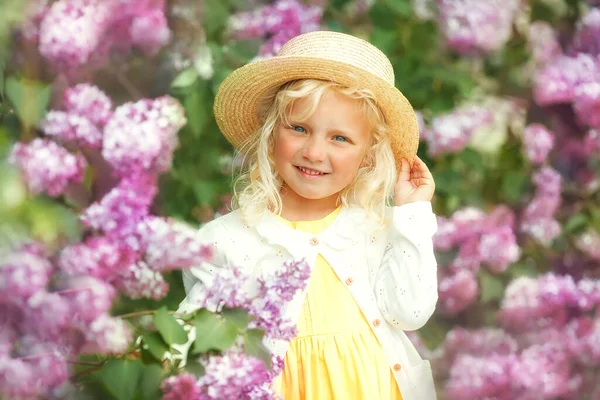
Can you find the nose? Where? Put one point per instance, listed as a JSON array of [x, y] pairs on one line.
[[314, 149]]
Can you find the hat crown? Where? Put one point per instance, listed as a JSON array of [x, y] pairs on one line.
[[343, 48]]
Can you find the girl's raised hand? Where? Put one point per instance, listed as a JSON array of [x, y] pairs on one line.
[[415, 183]]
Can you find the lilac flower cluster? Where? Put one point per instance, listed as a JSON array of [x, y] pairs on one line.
[[450, 133], [47, 167], [472, 27], [543, 350], [538, 217], [77, 33], [479, 239], [48, 318], [234, 374], [55, 308], [537, 143], [233, 288], [279, 22]]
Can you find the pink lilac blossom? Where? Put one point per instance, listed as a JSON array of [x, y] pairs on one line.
[[539, 303], [150, 31], [72, 30], [557, 82], [479, 378], [68, 127], [458, 291], [543, 43], [482, 342], [591, 141], [279, 22], [88, 297], [587, 36], [142, 136], [107, 335], [22, 274], [537, 142], [121, 210], [140, 281], [472, 27], [232, 376], [47, 167], [45, 314], [501, 238], [538, 217], [450, 133], [586, 103], [78, 33], [90, 102], [97, 256], [161, 236], [584, 340], [181, 387], [541, 371]]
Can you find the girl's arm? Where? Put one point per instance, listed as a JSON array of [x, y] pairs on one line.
[[406, 281]]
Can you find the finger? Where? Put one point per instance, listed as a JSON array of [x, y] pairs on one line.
[[404, 170], [422, 168]]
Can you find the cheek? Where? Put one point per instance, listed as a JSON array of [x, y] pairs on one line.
[[285, 150]]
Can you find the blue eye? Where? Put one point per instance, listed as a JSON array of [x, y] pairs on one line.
[[339, 138], [298, 128]]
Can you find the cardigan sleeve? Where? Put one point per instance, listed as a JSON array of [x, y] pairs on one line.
[[196, 278], [406, 281]]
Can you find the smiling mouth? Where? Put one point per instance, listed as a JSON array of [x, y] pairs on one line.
[[309, 171]]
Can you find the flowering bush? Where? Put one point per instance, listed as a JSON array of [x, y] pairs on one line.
[[112, 153]]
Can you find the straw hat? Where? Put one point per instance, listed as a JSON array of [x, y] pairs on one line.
[[328, 56]]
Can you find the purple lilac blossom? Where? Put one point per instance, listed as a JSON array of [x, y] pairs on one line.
[[587, 36], [97, 256], [22, 274], [68, 127], [589, 243], [538, 217], [586, 103], [472, 27], [140, 281], [279, 22], [90, 102], [107, 335], [479, 378], [88, 297], [77, 33], [543, 43], [557, 82], [160, 236], [120, 211], [450, 133], [142, 136], [181, 387], [458, 291], [232, 376], [47, 167], [537, 143]]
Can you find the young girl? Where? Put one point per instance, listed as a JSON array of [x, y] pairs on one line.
[[328, 140]]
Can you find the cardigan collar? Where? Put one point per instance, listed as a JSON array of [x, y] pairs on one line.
[[338, 235]]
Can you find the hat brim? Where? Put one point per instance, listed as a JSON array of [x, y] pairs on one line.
[[239, 94]]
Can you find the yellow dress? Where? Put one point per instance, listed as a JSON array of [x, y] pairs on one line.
[[335, 355]]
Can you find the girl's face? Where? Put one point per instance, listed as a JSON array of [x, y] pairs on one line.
[[319, 157]]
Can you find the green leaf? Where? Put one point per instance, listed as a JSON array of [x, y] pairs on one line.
[[253, 346], [238, 316], [213, 332], [122, 377], [185, 78], [491, 286], [169, 328], [383, 17], [400, 7], [29, 98], [156, 345], [195, 368], [576, 224], [151, 380], [196, 112], [216, 19], [513, 185], [204, 191]]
